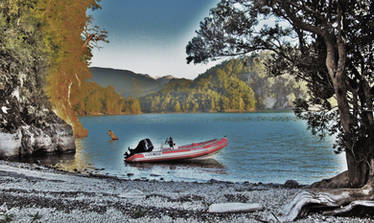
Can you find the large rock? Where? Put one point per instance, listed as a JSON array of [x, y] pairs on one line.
[[291, 184], [27, 123]]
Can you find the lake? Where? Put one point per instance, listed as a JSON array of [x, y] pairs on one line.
[[263, 147]]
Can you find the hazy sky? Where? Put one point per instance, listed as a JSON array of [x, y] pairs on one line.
[[150, 36]]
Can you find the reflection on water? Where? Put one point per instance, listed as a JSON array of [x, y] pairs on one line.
[[49, 159], [78, 161], [186, 169], [208, 163]]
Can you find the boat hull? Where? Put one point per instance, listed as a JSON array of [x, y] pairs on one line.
[[203, 150]]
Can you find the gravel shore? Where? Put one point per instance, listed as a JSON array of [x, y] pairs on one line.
[[32, 193]]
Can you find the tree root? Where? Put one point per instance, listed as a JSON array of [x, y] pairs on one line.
[[339, 181], [351, 206], [344, 201]]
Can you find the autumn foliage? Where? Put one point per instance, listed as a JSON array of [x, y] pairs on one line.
[[70, 37]]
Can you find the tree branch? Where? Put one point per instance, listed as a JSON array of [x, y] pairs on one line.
[[297, 22]]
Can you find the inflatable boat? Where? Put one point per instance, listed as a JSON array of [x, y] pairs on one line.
[[204, 150]]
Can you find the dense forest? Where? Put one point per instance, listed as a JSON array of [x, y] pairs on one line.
[[211, 92], [96, 100], [271, 92], [63, 38], [237, 85]]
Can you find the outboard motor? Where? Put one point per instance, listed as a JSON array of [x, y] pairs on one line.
[[145, 145]]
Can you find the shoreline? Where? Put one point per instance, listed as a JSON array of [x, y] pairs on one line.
[[31, 191], [165, 113]]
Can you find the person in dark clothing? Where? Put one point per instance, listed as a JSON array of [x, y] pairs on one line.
[[170, 142]]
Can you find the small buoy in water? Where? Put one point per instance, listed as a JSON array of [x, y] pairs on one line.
[[112, 135]]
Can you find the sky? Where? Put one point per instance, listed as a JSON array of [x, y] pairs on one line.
[[150, 36]]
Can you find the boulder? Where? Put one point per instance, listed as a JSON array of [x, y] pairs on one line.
[[291, 184]]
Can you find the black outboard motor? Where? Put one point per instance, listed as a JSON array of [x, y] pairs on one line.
[[145, 145]]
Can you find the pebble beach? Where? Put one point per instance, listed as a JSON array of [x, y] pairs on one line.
[[34, 193]]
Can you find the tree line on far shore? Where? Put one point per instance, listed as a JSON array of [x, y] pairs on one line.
[[236, 85], [97, 100]]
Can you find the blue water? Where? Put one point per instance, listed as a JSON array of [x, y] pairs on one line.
[[263, 147]]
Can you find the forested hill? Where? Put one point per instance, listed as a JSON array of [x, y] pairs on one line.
[[94, 99], [270, 92], [237, 85], [215, 91], [128, 83]]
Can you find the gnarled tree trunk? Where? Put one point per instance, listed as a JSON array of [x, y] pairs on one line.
[[357, 158], [330, 201]]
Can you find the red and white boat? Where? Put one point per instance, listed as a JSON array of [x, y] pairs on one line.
[[202, 150]]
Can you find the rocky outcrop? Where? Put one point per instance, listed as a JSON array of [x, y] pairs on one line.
[[27, 123]]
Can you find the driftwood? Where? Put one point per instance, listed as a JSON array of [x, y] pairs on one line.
[[234, 207], [328, 201]]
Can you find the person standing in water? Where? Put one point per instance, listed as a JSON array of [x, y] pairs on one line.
[[112, 135]]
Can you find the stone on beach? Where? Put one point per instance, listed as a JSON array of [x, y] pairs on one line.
[[234, 207], [291, 184], [134, 194]]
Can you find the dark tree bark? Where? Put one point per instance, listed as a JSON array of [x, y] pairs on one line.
[[336, 60]]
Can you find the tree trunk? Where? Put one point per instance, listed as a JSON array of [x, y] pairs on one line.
[[357, 160], [358, 170]]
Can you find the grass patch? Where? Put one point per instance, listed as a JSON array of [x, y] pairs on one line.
[[36, 217], [5, 217], [139, 212]]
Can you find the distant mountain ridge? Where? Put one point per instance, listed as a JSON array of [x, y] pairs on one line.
[[128, 83], [236, 85]]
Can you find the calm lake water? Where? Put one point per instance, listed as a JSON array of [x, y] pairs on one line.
[[263, 147]]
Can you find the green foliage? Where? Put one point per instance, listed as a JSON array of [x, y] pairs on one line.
[[6, 218], [36, 217], [96, 100], [20, 37], [131, 106], [214, 91], [271, 92], [236, 85]]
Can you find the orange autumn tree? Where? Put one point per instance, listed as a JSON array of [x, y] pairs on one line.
[[65, 22]]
